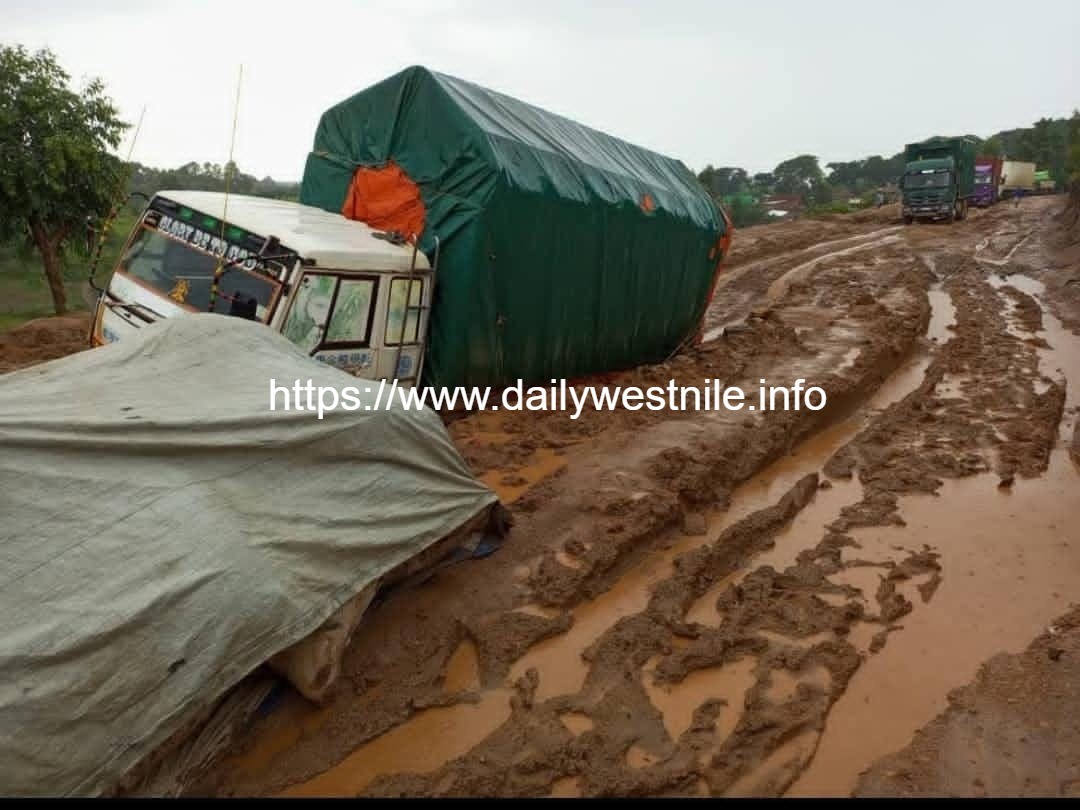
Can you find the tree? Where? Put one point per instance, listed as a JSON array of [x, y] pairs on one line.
[[1073, 159], [724, 181], [992, 147], [763, 183], [56, 169], [745, 211], [803, 176], [848, 174]]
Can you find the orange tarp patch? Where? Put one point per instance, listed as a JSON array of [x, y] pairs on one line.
[[719, 252], [385, 199]]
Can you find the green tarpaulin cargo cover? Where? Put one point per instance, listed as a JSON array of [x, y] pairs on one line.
[[563, 251]]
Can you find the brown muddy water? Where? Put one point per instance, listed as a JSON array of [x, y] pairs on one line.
[[433, 736], [1010, 563]]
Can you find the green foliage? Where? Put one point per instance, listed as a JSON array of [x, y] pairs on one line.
[[745, 210], [991, 147], [763, 183], [206, 177], [861, 176], [834, 207], [57, 172], [798, 175], [1045, 143], [724, 181], [1073, 160], [23, 291]]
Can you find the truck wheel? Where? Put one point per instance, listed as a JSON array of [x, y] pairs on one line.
[[908, 220]]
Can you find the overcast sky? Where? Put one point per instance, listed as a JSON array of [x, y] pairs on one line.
[[745, 83]]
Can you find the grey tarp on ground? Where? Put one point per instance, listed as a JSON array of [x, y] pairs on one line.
[[162, 533]]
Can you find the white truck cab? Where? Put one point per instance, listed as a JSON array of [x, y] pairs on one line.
[[351, 296]]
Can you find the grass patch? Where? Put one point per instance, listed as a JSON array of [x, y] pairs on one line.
[[24, 293]]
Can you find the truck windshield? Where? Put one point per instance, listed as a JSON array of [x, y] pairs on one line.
[[184, 274], [920, 180], [982, 178]]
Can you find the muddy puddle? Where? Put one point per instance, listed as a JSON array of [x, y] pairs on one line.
[[1060, 358], [430, 738], [439, 734], [1010, 559], [1006, 571], [678, 702], [1010, 565], [942, 315], [543, 462]]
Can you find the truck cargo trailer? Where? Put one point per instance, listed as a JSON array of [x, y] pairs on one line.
[[564, 251], [939, 179], [1017, 177]]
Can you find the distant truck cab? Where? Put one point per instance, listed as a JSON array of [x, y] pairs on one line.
[[987, 180], [939, 179], [348, 295]]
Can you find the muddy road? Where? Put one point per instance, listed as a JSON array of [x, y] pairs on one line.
[[758, 603], [744, 603]]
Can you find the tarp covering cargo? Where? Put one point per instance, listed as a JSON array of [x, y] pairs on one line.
[[563, 251], [162, 533]]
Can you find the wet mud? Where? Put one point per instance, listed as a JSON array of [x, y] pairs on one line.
[[723, 603]]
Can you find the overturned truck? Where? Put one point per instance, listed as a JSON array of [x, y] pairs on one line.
[[561, 251]]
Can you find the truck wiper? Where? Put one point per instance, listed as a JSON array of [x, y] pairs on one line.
[[134, 308]]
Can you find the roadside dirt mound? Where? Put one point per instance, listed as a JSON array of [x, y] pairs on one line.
[[43, 339], [1070, 217], [1014, 731], [887, 214], [1061, 274]]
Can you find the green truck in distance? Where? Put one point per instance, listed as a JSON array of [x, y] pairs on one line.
[[939, 179]]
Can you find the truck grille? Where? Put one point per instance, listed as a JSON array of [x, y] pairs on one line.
[[924, 198]]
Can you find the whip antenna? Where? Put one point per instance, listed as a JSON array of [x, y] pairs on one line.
[[219, 271], [121, 198]]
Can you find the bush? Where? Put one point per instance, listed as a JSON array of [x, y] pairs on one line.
[[836, 207]]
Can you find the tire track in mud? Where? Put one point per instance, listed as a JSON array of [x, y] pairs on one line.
[[910, 448], [748, 280], [985, 415], [720, 674], [607, 515]]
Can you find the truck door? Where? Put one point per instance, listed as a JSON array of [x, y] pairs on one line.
[[332, 315], [305, 324]]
